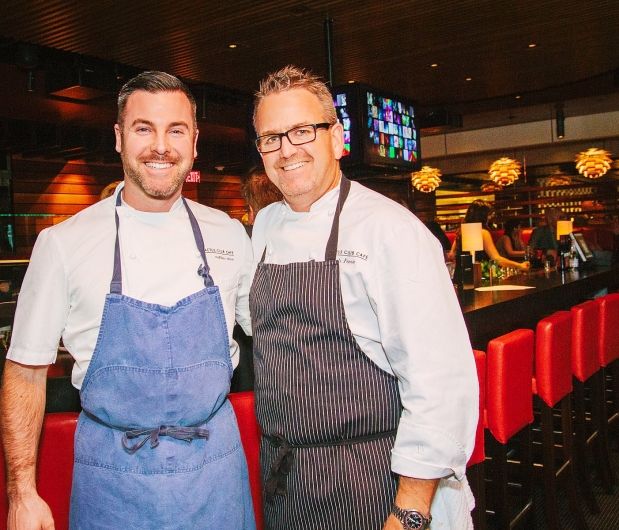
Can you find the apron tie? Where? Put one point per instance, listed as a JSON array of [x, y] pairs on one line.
[[187, 434], [280, 467], [282, 464]]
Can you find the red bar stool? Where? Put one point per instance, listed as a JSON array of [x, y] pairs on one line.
[[586, 370], [509, 414], [608, 349], [475, 466], [552, 385]]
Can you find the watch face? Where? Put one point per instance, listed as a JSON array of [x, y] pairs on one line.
[[413, 520]]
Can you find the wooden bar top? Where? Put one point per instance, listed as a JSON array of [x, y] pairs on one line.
[[492, 313]]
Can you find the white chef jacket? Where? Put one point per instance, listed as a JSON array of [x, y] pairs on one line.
[[403, 312], [63, 292]]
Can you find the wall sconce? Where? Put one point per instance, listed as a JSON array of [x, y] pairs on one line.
[[560, 121]]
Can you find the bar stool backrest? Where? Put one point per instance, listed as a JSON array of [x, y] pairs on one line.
[[608, 340], [585, 321], [509, 374], [553, 357], [479, 451]]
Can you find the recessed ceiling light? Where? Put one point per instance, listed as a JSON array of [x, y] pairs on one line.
[[469, 79], [434, 65], [351, 81], [232, 45], [518, 97], [532, 45]]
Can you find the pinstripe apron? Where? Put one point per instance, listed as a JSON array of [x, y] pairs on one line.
[[328, 414]]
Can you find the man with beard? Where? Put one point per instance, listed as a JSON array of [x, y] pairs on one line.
[[143, 288], [366, 390]]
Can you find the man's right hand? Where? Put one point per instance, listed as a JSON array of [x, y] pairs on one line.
[[31, 512]]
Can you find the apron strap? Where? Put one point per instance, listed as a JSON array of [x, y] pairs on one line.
[[204, 269], [116, 286], [331, 251]]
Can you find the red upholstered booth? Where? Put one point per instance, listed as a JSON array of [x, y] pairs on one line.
[[55, 467], [243, 404], [55, 464]]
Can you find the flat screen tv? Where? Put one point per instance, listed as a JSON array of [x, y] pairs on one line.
[[380, 129]]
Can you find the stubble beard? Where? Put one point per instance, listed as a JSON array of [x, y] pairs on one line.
[[163, 191]]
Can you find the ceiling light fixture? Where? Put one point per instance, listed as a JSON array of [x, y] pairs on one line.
[[469, 79], [426, 180], [532, 45], [593, 163], [232, 45], [504, 171], [434, 65]]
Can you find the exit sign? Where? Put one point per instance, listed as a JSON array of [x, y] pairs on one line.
[[194, 176]]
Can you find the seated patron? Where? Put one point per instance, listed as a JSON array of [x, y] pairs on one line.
[[510, 244], [482, 212], [544, 236]]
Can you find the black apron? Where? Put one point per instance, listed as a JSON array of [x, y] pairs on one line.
[[328, 414]]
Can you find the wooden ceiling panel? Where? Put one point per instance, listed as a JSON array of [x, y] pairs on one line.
[[385, 44]]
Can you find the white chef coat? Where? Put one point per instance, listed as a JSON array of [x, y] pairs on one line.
[[402, 310], [63, 292]]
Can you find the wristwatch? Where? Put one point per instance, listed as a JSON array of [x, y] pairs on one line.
[[411, 519]]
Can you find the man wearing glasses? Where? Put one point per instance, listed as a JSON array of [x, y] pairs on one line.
[[365, 382]]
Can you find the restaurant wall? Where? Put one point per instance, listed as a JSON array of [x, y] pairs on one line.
[[46, 192]]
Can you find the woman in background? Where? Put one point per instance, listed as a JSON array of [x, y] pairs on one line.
[[510, 244], [482, 212]]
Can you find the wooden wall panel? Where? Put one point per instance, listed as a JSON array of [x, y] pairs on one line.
[[47, 192]]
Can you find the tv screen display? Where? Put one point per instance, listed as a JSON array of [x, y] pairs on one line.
[[380, 130]]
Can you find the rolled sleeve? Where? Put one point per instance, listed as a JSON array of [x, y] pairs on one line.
[[427, 346]]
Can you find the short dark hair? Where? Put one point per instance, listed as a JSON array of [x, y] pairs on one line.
[[153, 81]]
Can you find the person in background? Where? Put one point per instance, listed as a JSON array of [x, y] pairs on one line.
[[367, 407], [427, 219], [510, 244], [544, 236], [259, 192], [482, 212], [148, 319], [109, 190]]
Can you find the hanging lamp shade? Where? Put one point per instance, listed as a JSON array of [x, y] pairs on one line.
[[593, 163], [504, 171], [490, 187], [427, 179]]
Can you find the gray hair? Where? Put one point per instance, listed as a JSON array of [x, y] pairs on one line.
[[291, 77]]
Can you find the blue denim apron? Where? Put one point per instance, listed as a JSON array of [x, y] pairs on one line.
[[157, 444]]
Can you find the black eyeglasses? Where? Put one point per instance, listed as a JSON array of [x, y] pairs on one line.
[[303, 134]]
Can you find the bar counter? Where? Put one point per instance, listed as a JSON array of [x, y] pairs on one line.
[[489, 314]]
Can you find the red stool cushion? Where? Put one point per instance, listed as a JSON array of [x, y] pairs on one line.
[[608, 345], [585, 321], [55, 467], [509, 374], [244, 408], [479, 451], [553, 358]]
